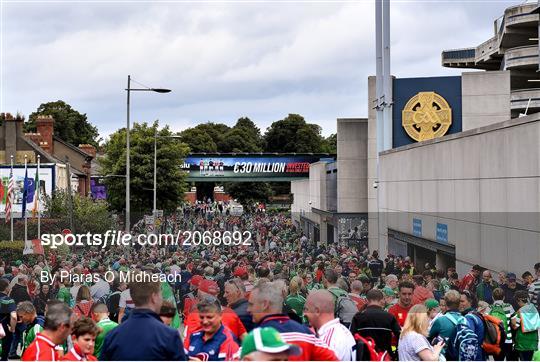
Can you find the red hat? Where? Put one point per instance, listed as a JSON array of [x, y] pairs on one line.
[[240, 271], [209, 287], [196, 280]]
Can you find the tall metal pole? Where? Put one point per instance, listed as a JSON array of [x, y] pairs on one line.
[[379, 74], [68, 169], [387, 78], [155, 173], [12, 199], [127, 161], [24, 198], [38, 195]]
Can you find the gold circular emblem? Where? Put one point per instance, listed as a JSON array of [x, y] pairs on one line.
[[427, 115]]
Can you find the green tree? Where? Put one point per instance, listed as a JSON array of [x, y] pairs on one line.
[[88, 215], [330, 144], [171, 183], [69, 125], [293, 134], [243, 137], [198, 140]]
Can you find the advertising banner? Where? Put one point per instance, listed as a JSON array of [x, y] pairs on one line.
[[46, 185], [224, 167]]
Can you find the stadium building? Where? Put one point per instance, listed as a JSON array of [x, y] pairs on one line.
[[460, 183]]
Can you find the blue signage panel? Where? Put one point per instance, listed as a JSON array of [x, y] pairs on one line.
[[442, 233], [405, 88], [417, 227]]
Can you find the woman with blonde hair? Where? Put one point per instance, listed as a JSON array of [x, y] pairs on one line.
[[295, 301], [413, 344]]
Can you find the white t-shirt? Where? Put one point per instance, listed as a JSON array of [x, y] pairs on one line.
[[125, 300], [411, 344], [339, 339]]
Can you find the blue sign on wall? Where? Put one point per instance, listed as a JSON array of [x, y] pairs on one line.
[[417, 227], [406, 88], [442, 233]]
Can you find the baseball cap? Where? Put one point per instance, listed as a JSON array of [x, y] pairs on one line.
[[388, 291], [431, 304], [209, 287], [267, 340], [511, 276], [196, 280]]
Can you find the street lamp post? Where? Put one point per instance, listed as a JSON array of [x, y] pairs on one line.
[[128, 90], [154, 211]]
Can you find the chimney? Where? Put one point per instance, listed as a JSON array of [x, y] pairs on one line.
[[45, 127], [12, 131], [91, 150]]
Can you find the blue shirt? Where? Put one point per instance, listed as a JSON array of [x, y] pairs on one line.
[[220, 347], [143, 337]]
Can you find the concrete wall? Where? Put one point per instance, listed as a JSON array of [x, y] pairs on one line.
[[483, 183], [373, 217], [352, 158], [485, 98]]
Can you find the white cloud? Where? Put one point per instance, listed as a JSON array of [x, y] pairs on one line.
[[222, 60]]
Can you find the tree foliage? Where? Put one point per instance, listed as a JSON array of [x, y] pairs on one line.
[[247, 193], [293, 134], [330, 144], [88, 215], [171, 183], [69, 125]]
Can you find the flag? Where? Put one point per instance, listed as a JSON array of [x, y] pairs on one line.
[[9, 200], [2, 190], [33, 247], [36, 194], [25, 192]]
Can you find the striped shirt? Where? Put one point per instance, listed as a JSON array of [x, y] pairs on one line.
[[508, 311], [534, 292], [339, 339]]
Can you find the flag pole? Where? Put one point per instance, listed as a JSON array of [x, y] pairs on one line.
[[24, 198], [38, 195], [11, 196]]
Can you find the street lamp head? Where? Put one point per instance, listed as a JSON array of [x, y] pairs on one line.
[[161, 90]]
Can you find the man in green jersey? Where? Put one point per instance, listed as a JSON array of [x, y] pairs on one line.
[[100, 315], [26, 314]]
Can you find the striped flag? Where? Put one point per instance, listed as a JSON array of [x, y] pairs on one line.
[[9, 201]]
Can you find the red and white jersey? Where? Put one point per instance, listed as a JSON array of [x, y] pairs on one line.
[[339, 339], [75, 354], [41, 349]]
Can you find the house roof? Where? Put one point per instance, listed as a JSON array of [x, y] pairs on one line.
[[72, 147]]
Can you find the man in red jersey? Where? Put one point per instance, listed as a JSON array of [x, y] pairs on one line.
[[401, 308], [56, 330], [209, 288], [266, 307]]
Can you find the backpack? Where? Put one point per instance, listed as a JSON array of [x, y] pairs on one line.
[[465, 346], [345, 308], [367, 351], [494, 336]]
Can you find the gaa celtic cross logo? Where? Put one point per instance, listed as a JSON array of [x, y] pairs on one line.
[[427, 115]]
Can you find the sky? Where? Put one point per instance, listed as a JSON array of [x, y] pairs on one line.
[[222, 59]]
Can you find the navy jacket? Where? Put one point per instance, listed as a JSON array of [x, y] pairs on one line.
[[143, 337]]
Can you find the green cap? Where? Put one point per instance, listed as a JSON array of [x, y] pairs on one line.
[[267, 340], [431, 304], [388, 291]]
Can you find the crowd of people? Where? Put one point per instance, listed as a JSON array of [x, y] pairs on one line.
[[280, 298]]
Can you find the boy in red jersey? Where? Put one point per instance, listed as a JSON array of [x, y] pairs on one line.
[[83, 337]]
